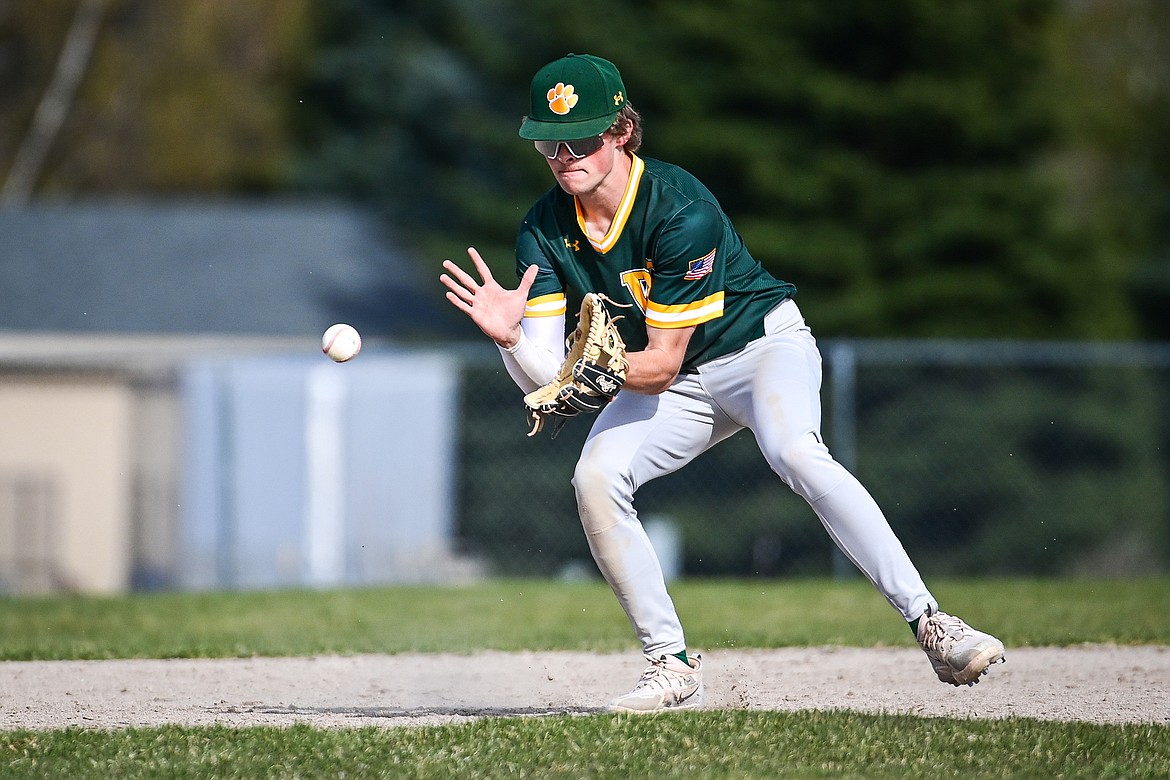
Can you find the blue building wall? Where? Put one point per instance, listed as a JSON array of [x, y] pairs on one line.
[[300, 472]]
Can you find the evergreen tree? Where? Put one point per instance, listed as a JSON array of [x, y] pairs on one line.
[[882, 156], [1114, 80]]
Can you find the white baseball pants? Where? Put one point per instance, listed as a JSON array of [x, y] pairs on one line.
[[771, 387]]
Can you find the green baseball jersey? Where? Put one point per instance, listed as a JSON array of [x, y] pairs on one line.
[[671, 255]]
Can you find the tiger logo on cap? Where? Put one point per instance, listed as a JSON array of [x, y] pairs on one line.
[[562, 98]]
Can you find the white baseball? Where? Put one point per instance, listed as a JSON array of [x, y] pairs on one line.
[[341, 342]]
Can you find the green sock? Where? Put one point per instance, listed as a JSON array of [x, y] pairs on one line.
[[682, 656]]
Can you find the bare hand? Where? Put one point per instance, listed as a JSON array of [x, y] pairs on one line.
[[497, 311]]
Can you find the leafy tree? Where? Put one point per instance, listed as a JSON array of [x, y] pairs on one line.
[[1113, 67], [900, 161], [971, 168], [883, 156], [178, 97], [414, 106]]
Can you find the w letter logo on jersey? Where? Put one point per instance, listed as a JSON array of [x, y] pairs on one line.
[[697, 269]]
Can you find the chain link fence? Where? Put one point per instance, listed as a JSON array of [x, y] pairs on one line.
[[988, 459]]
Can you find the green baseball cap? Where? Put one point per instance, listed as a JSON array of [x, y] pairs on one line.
[[577, 96]]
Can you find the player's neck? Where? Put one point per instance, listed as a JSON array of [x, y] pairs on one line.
[[599, 206]]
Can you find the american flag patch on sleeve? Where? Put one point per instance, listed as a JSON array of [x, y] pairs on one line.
[[697, 269]]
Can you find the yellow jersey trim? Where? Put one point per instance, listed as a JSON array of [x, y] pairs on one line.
[[552, 305], [626, 206], [686, 314]]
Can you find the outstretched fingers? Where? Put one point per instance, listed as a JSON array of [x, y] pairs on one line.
[[459, 303], [457, 279], [462, 284], [496, 310], [459, 295], [485, 273]]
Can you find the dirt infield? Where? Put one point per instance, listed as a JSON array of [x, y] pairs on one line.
[[1097, 683]]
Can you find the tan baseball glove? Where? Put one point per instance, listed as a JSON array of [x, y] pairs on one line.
[[592, 374]]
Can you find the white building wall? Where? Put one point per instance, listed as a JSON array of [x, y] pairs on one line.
[[66, 462], [304, 473]]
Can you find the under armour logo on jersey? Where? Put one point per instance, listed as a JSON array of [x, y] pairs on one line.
[[574, 244], [697, 269]]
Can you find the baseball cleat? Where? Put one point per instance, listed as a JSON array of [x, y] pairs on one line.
[[667, 684], [960, 654]]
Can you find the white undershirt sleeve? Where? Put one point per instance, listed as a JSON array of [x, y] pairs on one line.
[[537, 356]]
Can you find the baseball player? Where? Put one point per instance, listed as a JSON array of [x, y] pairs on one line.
[[714, 345]]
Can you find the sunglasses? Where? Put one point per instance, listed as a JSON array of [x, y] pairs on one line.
[[582, 147]]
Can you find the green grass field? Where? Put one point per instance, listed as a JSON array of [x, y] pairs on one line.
[[538, 615]]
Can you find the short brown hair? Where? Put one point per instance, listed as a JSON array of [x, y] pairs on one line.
[[628, 118]]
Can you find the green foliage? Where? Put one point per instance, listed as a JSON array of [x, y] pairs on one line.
[[177, 97], [1028, 471], [885, 157], [996, 467], [1112, 78], [414, 106], [30, 37], [881, 156], [543, 614], [699, 744], [971, 168]]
